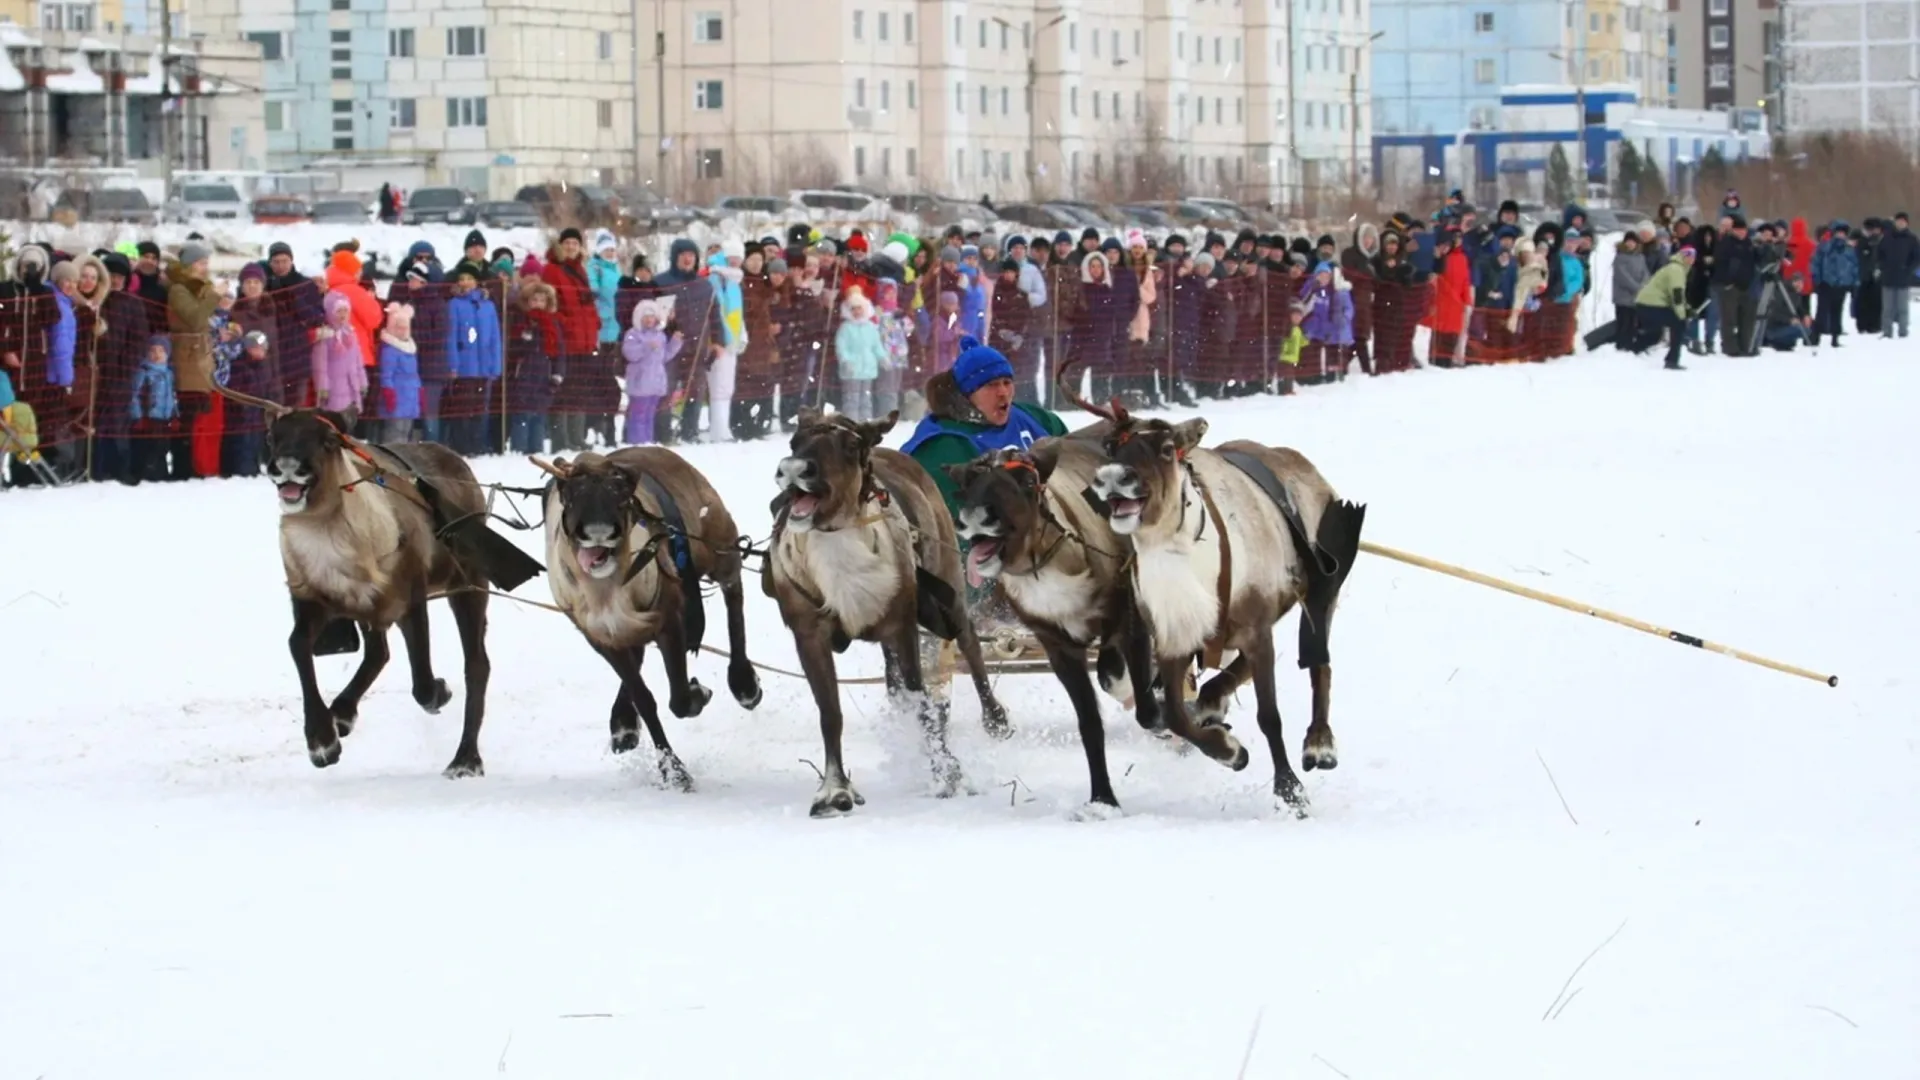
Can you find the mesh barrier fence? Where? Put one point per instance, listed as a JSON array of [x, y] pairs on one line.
[[1148, 333]]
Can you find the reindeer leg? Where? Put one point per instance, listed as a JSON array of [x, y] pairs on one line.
[[1137, 641], [810, 638], [1286, 785], [470, 615], [891, 665], [346, 707], [623, 720], [742, 681], [323, 737], [1318, 751], [1214, 742], [1210, 708], [430, 693], [993, 716], [919, 652], [637, 699], [685, 696], [1069, 664]]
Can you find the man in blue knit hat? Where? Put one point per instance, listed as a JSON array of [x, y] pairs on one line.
[[971, 411]]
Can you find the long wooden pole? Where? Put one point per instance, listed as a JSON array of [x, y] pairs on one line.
[[1588, 609]]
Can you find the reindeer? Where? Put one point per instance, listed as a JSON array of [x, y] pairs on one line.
[[864, 550], [628, 574], [1225, 543], [368, 534], [1027, 526]]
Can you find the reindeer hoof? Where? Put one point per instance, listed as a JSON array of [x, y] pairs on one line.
[[746, 687], [1100, 809], [674, 774], [695, 701], [323, 756], [345, 720], [1319, 752], [833, 802], [993, 716], [1289, 790], [1239, 759], [433, 698], [625, 740], [1209, 713], [460, 770]]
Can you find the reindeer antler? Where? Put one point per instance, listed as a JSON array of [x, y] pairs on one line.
[[1115, 412], [558, 472], [273, 408]]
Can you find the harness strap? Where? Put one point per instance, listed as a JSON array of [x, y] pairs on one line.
[[1216, 645]]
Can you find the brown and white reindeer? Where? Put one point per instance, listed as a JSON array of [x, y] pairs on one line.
[[368, 534], [1029, 527], [1226, 542], [629, 537], [864, 550]]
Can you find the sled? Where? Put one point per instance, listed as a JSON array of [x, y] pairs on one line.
[[1601, 335]]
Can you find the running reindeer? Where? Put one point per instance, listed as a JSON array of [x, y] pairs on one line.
[[369, 534], [864, 550], [629, 537], [1026, 521], [1225, 543]]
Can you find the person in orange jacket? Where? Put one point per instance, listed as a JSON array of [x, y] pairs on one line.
[[1452, 298]]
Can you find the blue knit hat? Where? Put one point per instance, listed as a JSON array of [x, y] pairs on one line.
[[979, 365]]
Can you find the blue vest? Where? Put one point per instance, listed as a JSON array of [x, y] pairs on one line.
[[1018, 433]]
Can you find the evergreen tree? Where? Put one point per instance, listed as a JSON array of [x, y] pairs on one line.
[[1627, 176], [6, 253], [1653, 186], [1712, 182], [1560, 186]]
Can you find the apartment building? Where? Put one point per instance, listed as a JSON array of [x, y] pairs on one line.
[[87, 16], [1726, 55], [1851, 67], [485, 94], [1006, 98], [1440, 65]]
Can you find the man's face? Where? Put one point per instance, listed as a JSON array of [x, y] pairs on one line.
[[1016, 252], [684, 261], [569, 249], [281, 265], [1062, 250], [150, 264], [994, 400]]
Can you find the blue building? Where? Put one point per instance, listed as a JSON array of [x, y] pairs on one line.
[[1439, 65]]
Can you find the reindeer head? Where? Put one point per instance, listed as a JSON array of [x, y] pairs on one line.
[[305, 459], [999, 512], [598, 510], [1141, 481], [827, 475]]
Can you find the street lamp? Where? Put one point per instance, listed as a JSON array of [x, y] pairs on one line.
[[1353, 98], [1033, 96]]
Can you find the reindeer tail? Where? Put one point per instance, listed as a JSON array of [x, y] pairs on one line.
[[1335, 547]]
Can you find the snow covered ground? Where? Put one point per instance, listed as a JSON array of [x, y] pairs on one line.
[[183, 895]]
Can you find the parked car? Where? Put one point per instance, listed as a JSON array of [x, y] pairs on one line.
[[508, 215], [653, 212], [733, 206], [121, 206], [1148, 217], [581, 205], [207, 202], [335, 211], [940, 211], [434, 204], [280, 210], [1041, 216], [849, 204]]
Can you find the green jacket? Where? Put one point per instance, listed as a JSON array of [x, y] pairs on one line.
[[959, 421], [1667, 288]]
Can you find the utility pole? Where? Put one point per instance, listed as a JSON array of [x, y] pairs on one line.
[[634, 110], [166, 96], [660, 92], [1033, 113], [1580, 92], [1353, 129]]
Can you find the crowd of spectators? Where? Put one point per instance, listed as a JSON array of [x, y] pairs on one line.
[[115, 354]]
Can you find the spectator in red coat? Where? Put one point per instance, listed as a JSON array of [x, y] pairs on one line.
[[1452, 296], [566, 271]]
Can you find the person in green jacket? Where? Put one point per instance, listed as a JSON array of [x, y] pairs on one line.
[[971, 411], [1662, 306]]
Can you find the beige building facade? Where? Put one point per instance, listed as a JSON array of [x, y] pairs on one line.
[[1726, 55], [1011, 98]]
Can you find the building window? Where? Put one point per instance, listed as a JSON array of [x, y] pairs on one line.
[[1073, 101], [400, 43], [959, 31], [708, 95], [709, 29], [712, 165], [986, 164], [1483, 22], [1236, 50], [983, 101], [960, 161], [1027, 99], [1095, 36], [467, 112], [906, 28], [1096, 106], [1216, 51], [276, 116], [342, 124], [269, 44], [1718, 8], [1006, 32], [603, 111], [913, 161], [401, 114], [606, 45], [1180, 45], [1076, 166], [1006, 165], [881, 33], [342, 54], [1239, 110], [1720, 37], [1483, 71], [466, 41], [342, 5], [913, 94], [1136, 104], [885, 95], [1073, 37], [1593, 22], [1116, 105], [1096, 165], [859, 25], [859, 93], [960, 98], [1717, 76], [859, 161], [1006, 101], [983, 33]]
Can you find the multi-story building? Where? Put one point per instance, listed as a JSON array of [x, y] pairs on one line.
[[1851, 67], [485, 94], [1010, 97], [1726, 55], [88, 16]]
